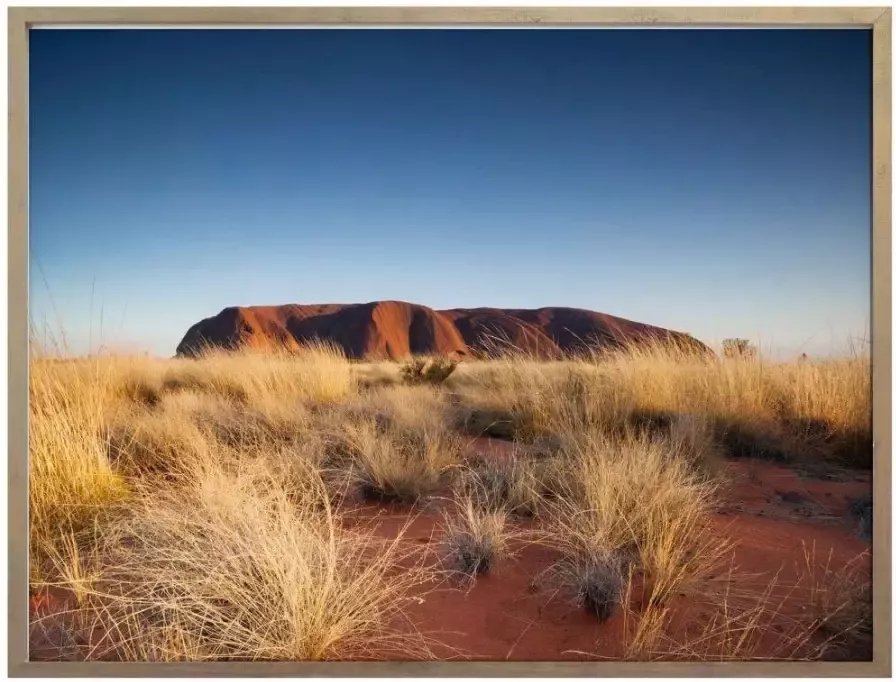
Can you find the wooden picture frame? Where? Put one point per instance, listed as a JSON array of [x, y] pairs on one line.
[[877, 19]]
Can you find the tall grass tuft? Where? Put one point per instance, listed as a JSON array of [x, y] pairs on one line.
[[395, 466], [631, 502], [512, 485], [71, 481], [475, 539], [235, 566]]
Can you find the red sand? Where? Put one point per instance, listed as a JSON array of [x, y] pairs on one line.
[[509, 615]]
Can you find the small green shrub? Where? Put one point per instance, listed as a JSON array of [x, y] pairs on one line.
[[427, 370]]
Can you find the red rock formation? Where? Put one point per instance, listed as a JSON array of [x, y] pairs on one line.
[[394, 329]]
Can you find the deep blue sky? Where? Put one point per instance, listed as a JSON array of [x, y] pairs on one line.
[[715, 181]]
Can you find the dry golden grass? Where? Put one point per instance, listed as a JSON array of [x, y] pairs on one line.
[[530, 399], [825, 613], [514, 484], [158, 442], [739, 625], [475, 539], [694, 440], [839, 599], [320, 373], [234, 565], [411, 410], [391, 465], [616, 490], [634, 502], [72, 568], [392, 443], [71, 481], [376, 374], [189, 504], [818, 407]]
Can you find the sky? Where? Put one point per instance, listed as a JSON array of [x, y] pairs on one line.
[[715, 182]]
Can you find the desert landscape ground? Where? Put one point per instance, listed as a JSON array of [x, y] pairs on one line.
[[629, 500]]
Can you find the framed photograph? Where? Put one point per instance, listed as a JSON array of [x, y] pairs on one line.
[[449, 341]]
